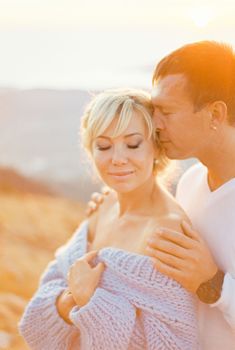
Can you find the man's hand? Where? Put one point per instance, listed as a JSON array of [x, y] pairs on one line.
[[96, 199], [183, 257]]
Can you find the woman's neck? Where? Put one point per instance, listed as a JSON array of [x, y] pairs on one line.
[[139, 201]]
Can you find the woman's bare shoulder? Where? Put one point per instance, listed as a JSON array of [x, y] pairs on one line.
[[173, 220], [108, 201], [173, 214]]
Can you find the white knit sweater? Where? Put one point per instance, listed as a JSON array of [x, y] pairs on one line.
[[166, 312]]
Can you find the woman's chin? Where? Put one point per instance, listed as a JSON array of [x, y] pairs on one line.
[[122, 187]]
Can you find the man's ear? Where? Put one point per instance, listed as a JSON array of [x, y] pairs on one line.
[[219, 113]]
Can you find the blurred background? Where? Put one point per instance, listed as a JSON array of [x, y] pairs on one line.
[[54, 56]]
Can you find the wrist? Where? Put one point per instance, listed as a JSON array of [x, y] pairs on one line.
[[210, 291], [64, 304], [82, 299]]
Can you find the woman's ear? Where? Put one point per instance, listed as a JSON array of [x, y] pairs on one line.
[[156, 158]]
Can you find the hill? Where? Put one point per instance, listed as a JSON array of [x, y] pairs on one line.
[[34, 221]]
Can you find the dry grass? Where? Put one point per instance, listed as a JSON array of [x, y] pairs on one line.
[[32, 225]]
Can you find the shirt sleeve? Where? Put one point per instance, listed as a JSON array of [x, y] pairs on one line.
[[226, 302], [41, 326], [106, 322]]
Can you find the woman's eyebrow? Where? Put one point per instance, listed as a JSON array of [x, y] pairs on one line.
[[133, 134], [103, 137], [125, 136]]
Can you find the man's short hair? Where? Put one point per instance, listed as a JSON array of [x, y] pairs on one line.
[[209, 67]]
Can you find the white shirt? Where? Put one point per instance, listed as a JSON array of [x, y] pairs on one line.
[[213, 216]]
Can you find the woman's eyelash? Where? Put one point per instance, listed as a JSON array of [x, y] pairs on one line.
[[100, 148], [103, 148], [133, 146]]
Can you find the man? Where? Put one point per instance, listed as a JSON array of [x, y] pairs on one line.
[[194, 110]]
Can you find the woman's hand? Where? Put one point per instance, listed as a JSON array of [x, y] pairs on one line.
[[83, 279]]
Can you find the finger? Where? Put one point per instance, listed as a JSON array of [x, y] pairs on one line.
[[97, 197], [189, 231], [176, 237], [99, 268], [88, 257], [105, 190], [167, 247], [91, 208], [165, 258], [92, 205], [165, 269]]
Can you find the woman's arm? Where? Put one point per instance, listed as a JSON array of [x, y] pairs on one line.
[[64, 304], [41, 325], [105, 322]]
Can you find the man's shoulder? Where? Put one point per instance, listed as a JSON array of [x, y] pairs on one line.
[[192, 173], [189, 179]]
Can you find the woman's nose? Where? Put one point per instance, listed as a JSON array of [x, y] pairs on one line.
[[119, 157]]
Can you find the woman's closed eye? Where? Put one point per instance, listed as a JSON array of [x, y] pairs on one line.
[[107, 147], [102, 148], [134, 145]]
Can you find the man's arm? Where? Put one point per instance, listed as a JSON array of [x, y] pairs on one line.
[[210, 291], [186, 258]]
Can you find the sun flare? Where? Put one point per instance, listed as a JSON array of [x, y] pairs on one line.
[[201, 16]]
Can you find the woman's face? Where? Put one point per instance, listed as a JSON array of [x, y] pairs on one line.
[[125, 162]]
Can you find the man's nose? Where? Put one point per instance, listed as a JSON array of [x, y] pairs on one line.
[[119, 157], [158, 120]]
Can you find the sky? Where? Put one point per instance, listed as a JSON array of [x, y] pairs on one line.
[[92, 44]]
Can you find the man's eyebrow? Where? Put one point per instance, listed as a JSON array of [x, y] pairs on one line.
[[128, 135], [164, 104]]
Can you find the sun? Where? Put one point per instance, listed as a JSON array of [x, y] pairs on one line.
[[201, 16]]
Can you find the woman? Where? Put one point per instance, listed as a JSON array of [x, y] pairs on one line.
[[102, 291]]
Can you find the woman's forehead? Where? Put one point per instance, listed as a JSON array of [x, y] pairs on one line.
[[136, 125]]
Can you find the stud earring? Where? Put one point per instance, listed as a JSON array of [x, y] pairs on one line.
[[213, 127]]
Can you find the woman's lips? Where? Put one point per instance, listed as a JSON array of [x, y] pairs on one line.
[[121, 173]]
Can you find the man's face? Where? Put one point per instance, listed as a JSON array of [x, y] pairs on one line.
[[182, 131]]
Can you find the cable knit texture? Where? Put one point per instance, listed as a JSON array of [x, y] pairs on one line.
[[134, 307]]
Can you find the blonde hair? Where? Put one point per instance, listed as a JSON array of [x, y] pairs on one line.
[[121, 104]]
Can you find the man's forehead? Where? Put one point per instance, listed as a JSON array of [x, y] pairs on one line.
[[170, 87]]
